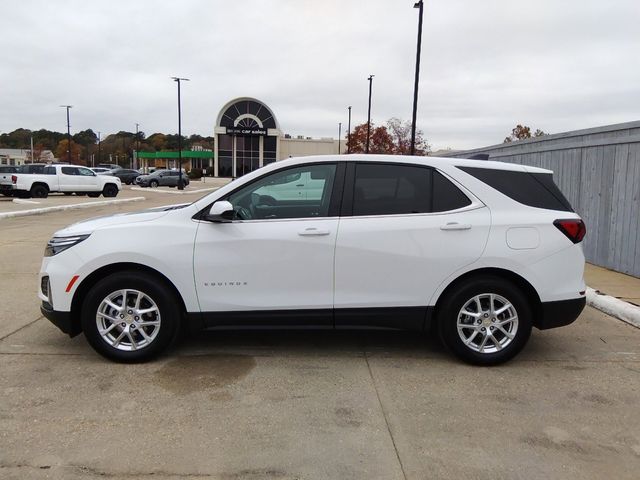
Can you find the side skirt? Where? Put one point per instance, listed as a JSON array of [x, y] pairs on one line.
[[396, 318]]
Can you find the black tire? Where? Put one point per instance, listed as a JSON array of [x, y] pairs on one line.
[[464, 295], [110, 190], [39, 191], [93, 194], [164, 298], [153, 184]]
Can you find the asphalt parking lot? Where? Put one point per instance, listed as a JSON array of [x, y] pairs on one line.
[[305, 405]]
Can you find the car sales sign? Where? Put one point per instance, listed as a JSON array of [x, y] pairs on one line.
[[246, 131]]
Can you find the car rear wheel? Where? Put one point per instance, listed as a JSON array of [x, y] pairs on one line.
[[485, 320], [110, 190], [130, 317], [39, 191]]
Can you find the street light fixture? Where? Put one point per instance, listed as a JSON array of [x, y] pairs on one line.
[[180, 185], [349, 132], [369, 114], [68, 132], [419, 5]]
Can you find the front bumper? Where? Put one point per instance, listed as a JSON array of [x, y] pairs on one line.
[[560, 313], [62, 320]]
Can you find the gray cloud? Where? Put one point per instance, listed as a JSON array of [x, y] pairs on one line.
[[555, 65]]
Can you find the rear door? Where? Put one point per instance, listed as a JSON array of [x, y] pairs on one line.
[[69, 180], [404, 229]]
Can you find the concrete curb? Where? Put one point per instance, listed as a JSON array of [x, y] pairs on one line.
[[59, 208], [614, 306], [174, 192]]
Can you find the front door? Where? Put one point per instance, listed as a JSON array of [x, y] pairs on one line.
[[273, 264], [247, 154]]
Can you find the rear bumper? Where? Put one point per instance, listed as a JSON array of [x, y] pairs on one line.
[[62, 320], [560, 313]]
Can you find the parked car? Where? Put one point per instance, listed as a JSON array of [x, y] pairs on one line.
[[6, 186], [481, 251], [100, 170], [109, 166], [162, 178], [125, 175], [65, 179]]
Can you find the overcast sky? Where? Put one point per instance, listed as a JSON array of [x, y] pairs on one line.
[[557, 65]]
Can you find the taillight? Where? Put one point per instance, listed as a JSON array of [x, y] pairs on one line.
[[573, 228], [14, 179]]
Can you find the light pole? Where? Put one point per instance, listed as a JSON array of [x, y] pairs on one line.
[[68, 132], [135, 158], [98, 147], [349, 132], [339, 136], [369, 115], [419, 5], [180, 185]]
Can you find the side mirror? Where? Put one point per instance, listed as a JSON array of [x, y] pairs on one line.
[[221, 212]]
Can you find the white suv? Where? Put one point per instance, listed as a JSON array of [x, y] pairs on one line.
[[480, 250]]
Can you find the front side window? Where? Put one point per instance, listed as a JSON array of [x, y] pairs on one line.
[[301, 192], [86, 172]]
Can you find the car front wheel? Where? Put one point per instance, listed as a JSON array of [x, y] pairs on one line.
[[485, 320], [130, 317]]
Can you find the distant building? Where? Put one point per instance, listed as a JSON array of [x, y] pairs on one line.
[[247, 136], [19, 156]]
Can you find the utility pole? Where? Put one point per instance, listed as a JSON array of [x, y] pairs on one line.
[[369, 115], [180, 185], [339, 136], [99, 147], [349, 132], [68, 132], [420, 6]]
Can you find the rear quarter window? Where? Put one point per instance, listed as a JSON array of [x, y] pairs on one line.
[[532, 189]]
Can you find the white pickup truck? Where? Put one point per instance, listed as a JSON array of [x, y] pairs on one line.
[[66, 179]]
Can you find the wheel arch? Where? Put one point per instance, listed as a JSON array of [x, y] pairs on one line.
[[40, 184], [84, 287], [512, 277]]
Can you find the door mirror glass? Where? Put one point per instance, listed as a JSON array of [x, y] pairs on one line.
[[221, 211]]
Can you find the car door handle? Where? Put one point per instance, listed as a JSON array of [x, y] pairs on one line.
[[455, 226], [307, 232]]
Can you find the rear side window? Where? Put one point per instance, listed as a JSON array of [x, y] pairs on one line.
[[69, 170], [391, 189], [532, 189], [446, 196], [382, 189], [49, 171]]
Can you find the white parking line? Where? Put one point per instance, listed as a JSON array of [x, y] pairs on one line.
[[40, 211], [174, 192]]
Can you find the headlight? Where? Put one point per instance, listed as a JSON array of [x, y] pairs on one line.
[[60, 244]]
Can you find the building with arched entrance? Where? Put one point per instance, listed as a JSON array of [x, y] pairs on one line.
[[248, 136]]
